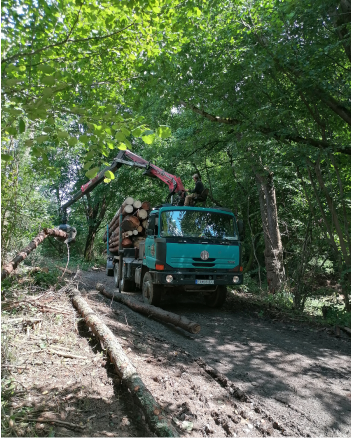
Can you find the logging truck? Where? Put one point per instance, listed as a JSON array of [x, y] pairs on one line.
[[176, 248]]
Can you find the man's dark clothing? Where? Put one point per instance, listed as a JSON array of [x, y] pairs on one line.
[[199, 188]]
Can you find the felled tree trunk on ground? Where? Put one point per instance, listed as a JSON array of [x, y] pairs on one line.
[[273, 243], [149, 310], [154, 415], [10, 267]]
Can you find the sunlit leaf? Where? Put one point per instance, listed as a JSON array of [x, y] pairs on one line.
[[92, 172], [109, 174]]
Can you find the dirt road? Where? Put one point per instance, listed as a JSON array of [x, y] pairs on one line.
[[282, 379]]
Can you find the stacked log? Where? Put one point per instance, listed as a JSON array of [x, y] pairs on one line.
[[134, 223]]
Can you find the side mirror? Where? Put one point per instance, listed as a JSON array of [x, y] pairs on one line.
[[150, 231]]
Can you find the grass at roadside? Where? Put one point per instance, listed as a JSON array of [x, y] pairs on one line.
[[325, 307]]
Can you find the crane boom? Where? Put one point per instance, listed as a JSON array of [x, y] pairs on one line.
[[130, 159]]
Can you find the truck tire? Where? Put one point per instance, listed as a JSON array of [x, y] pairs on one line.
[[152, 293], [116, 275], [217, 299], [109, 268]]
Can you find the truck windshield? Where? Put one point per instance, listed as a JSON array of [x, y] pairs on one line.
[[195, 223]]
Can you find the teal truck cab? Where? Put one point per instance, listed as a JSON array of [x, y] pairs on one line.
[[187, 249]]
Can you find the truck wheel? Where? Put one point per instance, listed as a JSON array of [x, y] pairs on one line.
[[217, 299], [116, 275], [152, 293], [109, 268]]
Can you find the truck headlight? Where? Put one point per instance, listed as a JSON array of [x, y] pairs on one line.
[[236, 279], [169, 278]]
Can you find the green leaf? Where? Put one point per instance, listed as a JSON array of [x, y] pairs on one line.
[[90, 154], [46, 69], [11, 130], [84, 138], [110, 145], [164, 131], [28, 142], [110, 175], [72, 141], [137, 132], [62, 134], [41, 138], [125, 131], [37, 152], [21, 126], [149, 138], [88, 165], [6, 157], [120, 136], [48, 80], [122, 147], [92, 172]]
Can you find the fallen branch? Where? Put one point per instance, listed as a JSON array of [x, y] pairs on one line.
[[63, 423], [156, 312], [69, 355], [68, 271], [154, 415], [346, 330], [10, 267]]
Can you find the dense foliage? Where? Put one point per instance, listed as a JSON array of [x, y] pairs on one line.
[[257, 96]]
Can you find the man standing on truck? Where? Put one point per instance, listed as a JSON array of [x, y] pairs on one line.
[[199, 188]]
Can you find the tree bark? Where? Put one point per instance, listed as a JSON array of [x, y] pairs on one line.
[[154, 415], [95, 215], [10, 267], [149, 310], [273, 244]]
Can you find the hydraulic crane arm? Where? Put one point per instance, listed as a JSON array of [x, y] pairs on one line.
[[127, 158]]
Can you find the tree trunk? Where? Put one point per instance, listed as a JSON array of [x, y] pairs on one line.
[[273, 244], [149, 310], [154, 415], [10, 267], [95, 215]]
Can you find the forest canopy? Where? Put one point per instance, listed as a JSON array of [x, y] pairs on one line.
[[252, 95]]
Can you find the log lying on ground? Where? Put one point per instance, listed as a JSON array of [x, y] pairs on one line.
[[10, 267], [152, 410], [156, 312]]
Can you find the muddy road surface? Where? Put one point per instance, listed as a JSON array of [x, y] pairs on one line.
[[242, 375]]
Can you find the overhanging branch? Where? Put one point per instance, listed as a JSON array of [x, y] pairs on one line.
[[320, 144]]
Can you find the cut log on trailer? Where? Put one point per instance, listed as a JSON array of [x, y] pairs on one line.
[[154, 415], [156, 312], [141, 213], [130, 223], [145, 223], [137, 204], [146, 206], [129, 201], [10, 267]]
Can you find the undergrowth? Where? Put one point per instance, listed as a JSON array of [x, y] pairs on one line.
[[324, 306]]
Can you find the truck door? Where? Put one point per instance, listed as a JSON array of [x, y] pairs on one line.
[[150, 247]]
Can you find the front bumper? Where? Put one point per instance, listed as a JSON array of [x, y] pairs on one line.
[[189, 278]]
